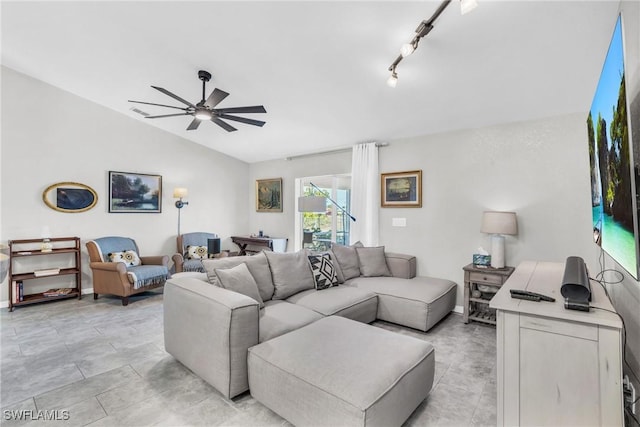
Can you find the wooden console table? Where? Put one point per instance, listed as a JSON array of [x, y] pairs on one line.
[[272, 243], [556, 366]]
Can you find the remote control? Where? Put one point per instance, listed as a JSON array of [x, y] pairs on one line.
[[530, 296]]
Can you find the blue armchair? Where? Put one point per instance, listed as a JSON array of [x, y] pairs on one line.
[[188, 257], [118, 269]]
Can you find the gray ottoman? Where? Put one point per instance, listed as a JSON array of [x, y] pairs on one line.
[[339, 372]]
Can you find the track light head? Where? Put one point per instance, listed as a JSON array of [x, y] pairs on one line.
[[407, 49], [467, 6], [392, 81]]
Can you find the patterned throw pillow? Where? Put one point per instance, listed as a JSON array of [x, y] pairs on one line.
[[196, 252], [324, 273], [130, 258]]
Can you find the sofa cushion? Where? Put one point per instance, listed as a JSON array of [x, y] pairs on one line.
[[257, 265], [239, 279], [279, 317], [291, 273], [196, 252], [372, 262], [345, 301], [324, 272], [347, 259], [418, 303]]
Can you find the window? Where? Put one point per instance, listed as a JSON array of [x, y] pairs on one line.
[[316, 230]]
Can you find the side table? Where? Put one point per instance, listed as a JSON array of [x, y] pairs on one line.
[[486, 281]]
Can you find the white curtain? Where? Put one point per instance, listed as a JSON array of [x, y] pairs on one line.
[[365, 193]]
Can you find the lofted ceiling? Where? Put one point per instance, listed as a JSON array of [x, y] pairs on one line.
[[318, 67]]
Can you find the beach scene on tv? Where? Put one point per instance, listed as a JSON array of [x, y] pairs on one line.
[[609, 156]]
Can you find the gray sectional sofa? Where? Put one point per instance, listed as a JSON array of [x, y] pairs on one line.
[[210, 328]]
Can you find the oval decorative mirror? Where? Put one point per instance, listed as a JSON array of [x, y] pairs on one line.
[[70, 197]]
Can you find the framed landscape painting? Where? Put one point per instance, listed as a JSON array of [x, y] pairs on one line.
[[401, 189], [269, 195], [135, 192]]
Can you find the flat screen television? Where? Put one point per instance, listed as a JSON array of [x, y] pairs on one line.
[[613, 189]]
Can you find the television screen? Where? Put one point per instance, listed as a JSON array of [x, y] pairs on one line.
[[612, 178]]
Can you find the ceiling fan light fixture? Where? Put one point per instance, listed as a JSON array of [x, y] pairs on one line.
[[203, 114]]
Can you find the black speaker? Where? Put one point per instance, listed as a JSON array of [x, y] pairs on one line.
[[213, 246], [575, 282]]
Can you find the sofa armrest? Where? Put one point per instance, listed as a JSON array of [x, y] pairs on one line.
[[155, 260], [401, 265], [178, 261], [209, 330]]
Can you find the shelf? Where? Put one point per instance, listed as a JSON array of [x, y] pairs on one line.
[[31, 275], [480, 300], [485, 317], [36, 252], [39, 297]]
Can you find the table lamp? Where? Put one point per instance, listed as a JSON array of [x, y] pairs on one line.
[[497, 224]]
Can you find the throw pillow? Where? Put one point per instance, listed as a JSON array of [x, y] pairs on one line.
[[324, 273], [257, 265], [130, 258], [372, 261], [239, 279], [291, 273], [347, 258], [196, 252]]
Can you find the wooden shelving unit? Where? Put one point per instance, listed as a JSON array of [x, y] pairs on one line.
[[31, 248]]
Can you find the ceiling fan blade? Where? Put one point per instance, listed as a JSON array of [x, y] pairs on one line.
[[168, 115], [242, 120], [159, 105], [252, 109], [176, 97], [215, 98], [194, 124], [223, 125]]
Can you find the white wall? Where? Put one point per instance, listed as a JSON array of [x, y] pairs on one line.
[[50, 136]]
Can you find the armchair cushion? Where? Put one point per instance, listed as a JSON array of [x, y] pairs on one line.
[[145, 275], [112, 244], [130, 258]]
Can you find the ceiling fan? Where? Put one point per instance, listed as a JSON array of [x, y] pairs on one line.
[[205, 109]]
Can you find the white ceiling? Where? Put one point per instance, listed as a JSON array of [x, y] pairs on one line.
[[319, 68]]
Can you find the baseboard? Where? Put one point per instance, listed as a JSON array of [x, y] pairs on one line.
[[5, 304], [458, 309]]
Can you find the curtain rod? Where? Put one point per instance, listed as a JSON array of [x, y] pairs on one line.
[[338, 150]]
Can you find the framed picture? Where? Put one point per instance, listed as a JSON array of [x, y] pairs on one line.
[[135, 192], [401, 189], [70, 197], [269, 195]]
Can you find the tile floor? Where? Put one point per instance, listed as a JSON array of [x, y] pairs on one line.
[[97, 363]]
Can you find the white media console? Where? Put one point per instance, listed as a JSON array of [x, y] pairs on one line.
[[556, 366]]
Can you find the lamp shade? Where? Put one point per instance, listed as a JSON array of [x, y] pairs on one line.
[[312, 204], [179, 192], [499, 223]]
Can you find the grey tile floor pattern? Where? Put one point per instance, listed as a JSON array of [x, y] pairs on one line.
[[96, 363]]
